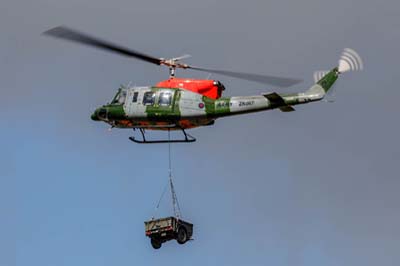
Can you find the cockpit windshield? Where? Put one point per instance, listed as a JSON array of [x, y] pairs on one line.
[[120, 97]]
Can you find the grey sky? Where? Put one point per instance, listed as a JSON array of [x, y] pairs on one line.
[[318, 186]]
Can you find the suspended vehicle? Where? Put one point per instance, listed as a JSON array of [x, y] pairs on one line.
[[182, 103], [165, 229], [174, 227]]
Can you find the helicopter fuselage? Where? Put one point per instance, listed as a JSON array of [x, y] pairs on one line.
[[158, 108]]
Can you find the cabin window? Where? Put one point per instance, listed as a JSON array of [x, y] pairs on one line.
[[165, 98], [148, 98], [135, 96]]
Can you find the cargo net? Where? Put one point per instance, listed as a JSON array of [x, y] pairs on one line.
[[170, 184]]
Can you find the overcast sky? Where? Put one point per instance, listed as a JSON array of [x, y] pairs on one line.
[[319, 186]]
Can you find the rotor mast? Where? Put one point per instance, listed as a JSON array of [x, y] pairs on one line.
[[172, 72], [174, 63]]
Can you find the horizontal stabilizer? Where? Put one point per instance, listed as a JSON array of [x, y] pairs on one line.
[[278, 102], [275, 98], [287, 108]]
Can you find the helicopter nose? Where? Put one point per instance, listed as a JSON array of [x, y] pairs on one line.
[[95, 116]]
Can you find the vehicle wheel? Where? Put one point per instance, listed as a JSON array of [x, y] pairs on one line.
[[156, 244], [182, 235]]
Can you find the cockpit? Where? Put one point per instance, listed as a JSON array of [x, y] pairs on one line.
[[120, 97]]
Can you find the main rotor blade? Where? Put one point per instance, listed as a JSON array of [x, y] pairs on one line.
[[65, 33], [271, 80]]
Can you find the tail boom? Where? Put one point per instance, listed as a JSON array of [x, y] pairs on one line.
[[248, 104]]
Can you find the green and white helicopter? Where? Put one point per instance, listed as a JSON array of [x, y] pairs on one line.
[[180, 103]]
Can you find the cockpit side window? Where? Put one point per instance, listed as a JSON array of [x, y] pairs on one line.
[[148, 98], [120, 97], [165, 98]]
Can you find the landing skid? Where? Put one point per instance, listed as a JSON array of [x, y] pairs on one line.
[[188, 138]]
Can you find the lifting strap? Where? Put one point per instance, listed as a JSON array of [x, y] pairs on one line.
[[175, 202]]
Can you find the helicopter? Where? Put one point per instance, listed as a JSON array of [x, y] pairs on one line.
[[183, 103]]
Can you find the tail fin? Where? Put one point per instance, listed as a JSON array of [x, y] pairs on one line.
[[324, 80]]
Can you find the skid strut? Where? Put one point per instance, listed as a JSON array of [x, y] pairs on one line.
[[188, 138]]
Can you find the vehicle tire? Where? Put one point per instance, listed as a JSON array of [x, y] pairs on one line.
[[156, 244], [181, 236]]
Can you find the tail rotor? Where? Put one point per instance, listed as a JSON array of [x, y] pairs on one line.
[[350, 61]]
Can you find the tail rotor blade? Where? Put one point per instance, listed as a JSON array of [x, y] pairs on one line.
[[350, 60], [319, 75]]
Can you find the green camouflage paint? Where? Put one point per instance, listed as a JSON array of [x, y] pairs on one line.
[[222, 106], [329, 79], [115, 112], [216, 107], [171, 112]]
